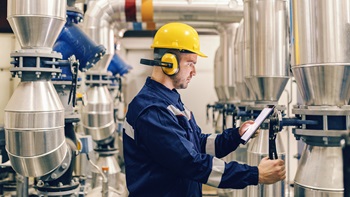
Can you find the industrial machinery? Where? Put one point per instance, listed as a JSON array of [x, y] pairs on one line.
[[261, 73], [35, 134], [99, 109], [73, 43], [321, 70], [266, 59]]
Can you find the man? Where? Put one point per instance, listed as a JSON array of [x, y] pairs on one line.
[[164, 150]]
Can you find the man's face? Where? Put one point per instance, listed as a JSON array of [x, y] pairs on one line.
[[187, 63]]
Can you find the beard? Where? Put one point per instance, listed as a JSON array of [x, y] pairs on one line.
[[179, 82]]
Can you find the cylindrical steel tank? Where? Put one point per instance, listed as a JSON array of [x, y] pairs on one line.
[[266, 47]]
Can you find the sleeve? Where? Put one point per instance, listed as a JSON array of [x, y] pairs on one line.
[[220, 145], [165, 141]]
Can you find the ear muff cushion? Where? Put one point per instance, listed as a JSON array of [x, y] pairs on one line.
[[170, 58]]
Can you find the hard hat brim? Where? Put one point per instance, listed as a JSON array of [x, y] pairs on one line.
[[200, 54]]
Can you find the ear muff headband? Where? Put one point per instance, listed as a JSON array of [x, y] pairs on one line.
[[170, 58]]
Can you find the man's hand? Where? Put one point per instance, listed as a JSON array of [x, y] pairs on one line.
[[244, 127], [271, 171]]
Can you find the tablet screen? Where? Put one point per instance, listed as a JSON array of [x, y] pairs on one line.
[[257, 122]]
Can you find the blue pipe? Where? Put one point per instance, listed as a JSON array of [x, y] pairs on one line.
[[118, 66], [73, 41], [297, 122]]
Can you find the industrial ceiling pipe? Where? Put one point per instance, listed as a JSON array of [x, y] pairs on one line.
[[102, 15]]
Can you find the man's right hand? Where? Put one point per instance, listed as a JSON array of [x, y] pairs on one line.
[[271, 171]]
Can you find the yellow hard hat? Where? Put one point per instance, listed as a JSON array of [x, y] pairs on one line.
[[177, 36]]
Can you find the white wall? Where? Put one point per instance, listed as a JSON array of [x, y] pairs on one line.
[[7, 84]]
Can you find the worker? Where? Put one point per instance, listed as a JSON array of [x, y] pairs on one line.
[[165, 152]]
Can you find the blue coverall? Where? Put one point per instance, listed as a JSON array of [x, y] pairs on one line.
[[167, 155]]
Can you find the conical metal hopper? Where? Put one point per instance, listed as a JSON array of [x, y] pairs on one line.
[[36, 23], [267, 88]]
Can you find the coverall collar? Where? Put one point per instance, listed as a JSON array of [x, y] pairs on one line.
[[172, 95]]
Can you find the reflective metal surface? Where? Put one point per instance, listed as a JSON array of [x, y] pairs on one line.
[[63, 90], [97, 114], [320, 172], [110, 161], [224, 69], [266, 47], [36, 23], [219, 89], [322, 51], [267, 88], [243, 92], [326, 84], [34, 123], [321, 70], [259, 148]]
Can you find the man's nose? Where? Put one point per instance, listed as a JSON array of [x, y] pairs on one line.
[[194, 71]]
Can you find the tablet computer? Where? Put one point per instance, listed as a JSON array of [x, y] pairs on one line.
[[266, 112]]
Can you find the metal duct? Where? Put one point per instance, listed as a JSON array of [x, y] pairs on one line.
[[243, 92], [322, 51], [34, 116], [225, 83], [218, 64], [266, 47]]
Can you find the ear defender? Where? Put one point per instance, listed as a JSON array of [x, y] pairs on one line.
[[170, 58]]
